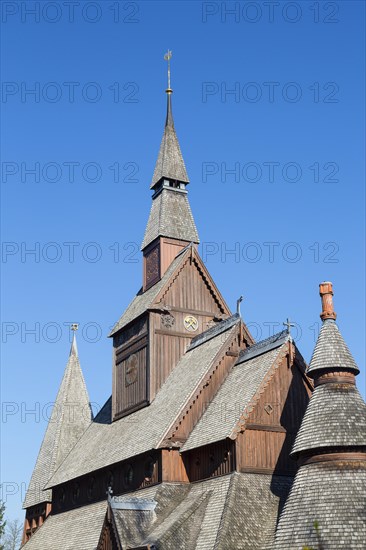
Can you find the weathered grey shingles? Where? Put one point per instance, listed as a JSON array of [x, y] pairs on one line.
[[78, 529], [251, 511], [335, 498], [203, 516], [144, 300], [134, 526], [335, 417], [170, 216], [170, 163], [220, 327], [103, 444], [331, 350], [235, 511], [230, 402], [71, 415], [330, 493], [263, 346]]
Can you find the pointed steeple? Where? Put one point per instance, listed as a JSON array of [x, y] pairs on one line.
[[170, 163], [71, 415], [171, 225], [326, 505]]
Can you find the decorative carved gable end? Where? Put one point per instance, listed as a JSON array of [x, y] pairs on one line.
[[192, 259]]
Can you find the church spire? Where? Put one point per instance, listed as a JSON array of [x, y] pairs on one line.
[[71, 415], [169, 115], [170, 164], [170, 226]]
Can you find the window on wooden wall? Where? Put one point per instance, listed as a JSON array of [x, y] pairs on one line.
[[128, 476]]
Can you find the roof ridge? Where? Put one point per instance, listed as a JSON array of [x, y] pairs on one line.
[[197, 388], [272, 342], [211, 332], [225, 509]]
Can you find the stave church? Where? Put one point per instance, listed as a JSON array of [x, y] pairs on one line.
[[210, 440]]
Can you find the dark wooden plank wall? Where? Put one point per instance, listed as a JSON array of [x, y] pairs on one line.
[[210, 461], [173, 467], [93, 487], [133, 341], [271, 428]]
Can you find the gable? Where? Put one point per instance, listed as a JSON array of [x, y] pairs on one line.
[[191, 287], [270, 428]]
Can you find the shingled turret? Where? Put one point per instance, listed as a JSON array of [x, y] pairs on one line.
[[71, 415], [171, 225], [325, 508]]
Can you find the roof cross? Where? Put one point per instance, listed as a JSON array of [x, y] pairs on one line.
[[288, 324]]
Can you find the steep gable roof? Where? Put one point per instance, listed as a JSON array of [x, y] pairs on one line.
[[76, 529], [236, 394], [105, 444], [145, 300], [71, 415]]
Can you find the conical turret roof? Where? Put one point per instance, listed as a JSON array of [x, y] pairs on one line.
[[331, 351], [170, 163], [325, 508], [71, 415]]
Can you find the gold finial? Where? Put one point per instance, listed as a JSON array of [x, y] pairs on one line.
[[167, 58], [74, 326]]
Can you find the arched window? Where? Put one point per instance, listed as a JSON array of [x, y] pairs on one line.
[[91, 488], [75, 492], [149, 468], [128, 476]]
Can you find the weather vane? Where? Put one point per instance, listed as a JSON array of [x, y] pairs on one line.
[[167, 58], [74, 326]]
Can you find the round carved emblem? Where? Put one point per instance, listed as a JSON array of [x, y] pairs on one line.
[[167, 320], [190, 323], [131, 369]]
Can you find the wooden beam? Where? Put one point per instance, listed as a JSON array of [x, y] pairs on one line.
[[265, 428]]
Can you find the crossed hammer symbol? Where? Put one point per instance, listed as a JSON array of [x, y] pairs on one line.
[[190, 323]]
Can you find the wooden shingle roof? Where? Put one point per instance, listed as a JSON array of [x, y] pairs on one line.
[[107, 443], [331, 351], [170, 216], [335, 417], [170, 163], [71, 415], [237, 391]]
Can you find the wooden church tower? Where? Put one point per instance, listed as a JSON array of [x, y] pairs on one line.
[[192, 449]]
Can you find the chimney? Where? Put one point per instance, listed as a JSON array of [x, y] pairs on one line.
[[326, 294]]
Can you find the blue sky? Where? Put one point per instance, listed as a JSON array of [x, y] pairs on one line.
[[269, 109]]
